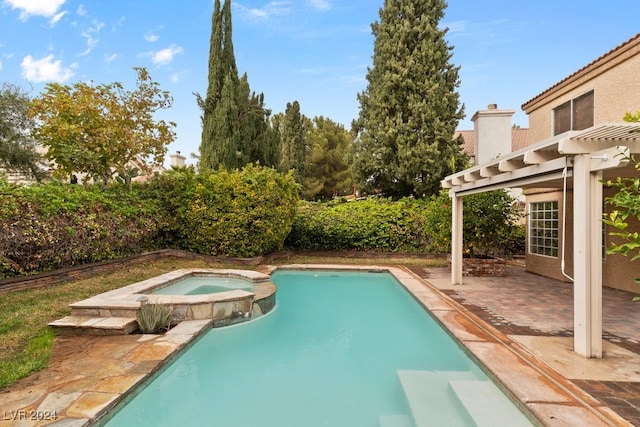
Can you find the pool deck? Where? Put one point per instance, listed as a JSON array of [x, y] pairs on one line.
[[519, 326]]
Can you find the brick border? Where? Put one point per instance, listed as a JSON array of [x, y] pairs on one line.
[[67, 274], [83, 271]]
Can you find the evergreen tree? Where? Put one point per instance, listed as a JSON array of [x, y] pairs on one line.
[[294, 148], [328, 174], [235, 124], [263, 142], [410, 109]]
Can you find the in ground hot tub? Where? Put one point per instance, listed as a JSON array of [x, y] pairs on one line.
[[226, 296], [200, 285]]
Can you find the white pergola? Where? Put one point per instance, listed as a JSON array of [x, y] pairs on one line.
[[581, 156]]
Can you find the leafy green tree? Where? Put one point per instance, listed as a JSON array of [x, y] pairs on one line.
[[327, 172], [17, 147], [235, 124], [410, 108], [103, 130], [626, 204]]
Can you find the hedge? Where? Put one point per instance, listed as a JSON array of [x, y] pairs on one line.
[[53, 225], [368, 225], [409, 225], [241, 214], [46, 226]]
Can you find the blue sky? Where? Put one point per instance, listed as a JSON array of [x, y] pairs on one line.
[[313, 51]]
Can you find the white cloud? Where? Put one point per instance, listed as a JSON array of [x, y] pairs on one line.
[[97, 26], [46, 8], [45, 69], [91, 41], [321, 5], [81, 11], [271, 9], [150, 37], [112, 57], [57, 17], [0, 65], [177, 77], [165, 56]]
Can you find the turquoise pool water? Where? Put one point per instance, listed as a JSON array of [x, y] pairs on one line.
[[333, 353], [199, 285]]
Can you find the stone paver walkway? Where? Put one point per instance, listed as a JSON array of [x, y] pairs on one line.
[[524, 304], [87, 375]]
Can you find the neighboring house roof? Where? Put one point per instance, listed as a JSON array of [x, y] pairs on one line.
[[468, 137], [519, 139], [598, 66]]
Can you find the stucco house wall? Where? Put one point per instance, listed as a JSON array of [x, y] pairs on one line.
[[614, 79]]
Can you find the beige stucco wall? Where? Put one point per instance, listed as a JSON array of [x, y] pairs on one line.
[[616, 90], [618, 271]]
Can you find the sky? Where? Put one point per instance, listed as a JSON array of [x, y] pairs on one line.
[[314, 51]]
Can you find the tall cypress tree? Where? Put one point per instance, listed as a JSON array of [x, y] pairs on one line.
[[293, 132], [410, 108], [235, 125], [208, 152]]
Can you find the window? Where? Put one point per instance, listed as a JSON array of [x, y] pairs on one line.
[[576, 114], [543, 228]]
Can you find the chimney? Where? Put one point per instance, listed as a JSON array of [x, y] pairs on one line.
[[492, 133], [177, 159]]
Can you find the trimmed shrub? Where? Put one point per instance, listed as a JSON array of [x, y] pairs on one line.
[[368, 225], [244, 213], [53, 225], [408, 225]]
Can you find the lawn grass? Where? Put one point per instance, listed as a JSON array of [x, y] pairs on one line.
[[26, 339]]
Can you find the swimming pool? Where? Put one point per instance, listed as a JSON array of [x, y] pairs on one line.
[[341, 349]]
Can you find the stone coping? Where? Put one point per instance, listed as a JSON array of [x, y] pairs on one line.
[[129, 296], [81, 396]]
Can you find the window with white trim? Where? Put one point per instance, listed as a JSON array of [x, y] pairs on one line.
[[543, 228]]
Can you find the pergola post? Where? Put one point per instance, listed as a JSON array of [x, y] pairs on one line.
[[456, 238], [587, 257]]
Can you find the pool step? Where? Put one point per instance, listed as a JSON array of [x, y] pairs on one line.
[[458, 399], [91, 325], [395, 421], [487, 405], [430, 398]]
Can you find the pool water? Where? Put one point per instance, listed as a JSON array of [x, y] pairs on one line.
[[329, 355], [199, 285]]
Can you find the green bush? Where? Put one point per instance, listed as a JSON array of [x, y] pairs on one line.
[[368, 225], [244, 213], [53, 225], [172, 192], [491, 224], [238, 214], [409, 225]]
